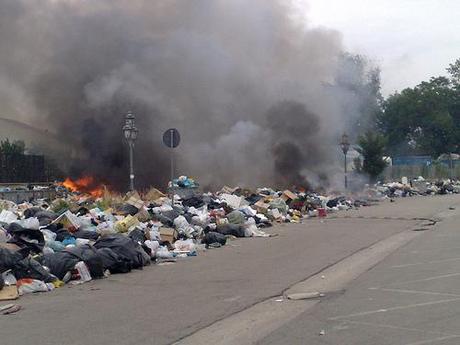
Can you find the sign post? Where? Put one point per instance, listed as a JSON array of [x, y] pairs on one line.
[[171, 139]]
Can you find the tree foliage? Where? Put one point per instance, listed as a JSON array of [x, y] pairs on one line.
[[15, 148], [372, 148], [424, 119]]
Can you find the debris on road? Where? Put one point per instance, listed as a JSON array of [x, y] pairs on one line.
[[304, 295], [10, 309], [78, 237]]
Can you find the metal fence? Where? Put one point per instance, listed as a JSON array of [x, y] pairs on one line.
[[19, 196], [430, 172], [22, 168]]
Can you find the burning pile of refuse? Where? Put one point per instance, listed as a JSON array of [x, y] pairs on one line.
[[78, 237]]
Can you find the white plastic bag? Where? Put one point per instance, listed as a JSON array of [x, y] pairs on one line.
[[81, 242], [33, 285], [184, 246], [163, 253], [29, 223], [83, 272], [251, 230], [48, 235], [182, 226], [153, 245], [7, 217], [9, 278]]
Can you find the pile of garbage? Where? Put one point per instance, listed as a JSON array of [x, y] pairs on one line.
[[183, 182], [417, 186], [75, 238]]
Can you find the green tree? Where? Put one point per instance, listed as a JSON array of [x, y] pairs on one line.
[[454, 72], [15, 148], [424, 119], [372, 148]]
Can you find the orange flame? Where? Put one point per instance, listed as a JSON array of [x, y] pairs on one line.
[[85, 185]]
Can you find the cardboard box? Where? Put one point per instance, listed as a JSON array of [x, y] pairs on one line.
[[261, 206], [168, 235], [233, 201], [69, 221], [135, 200], [288, 195]]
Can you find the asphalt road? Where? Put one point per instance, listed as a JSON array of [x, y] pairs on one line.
[[162, 304], [411, 298]]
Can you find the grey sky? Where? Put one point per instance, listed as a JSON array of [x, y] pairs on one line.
[[411, 40]]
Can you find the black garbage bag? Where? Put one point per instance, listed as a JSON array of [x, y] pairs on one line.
[[82, 211], [45, 217], [13, 227], [253, 198], [214, 237], [62, 262], [334, 202], [54, 227], [125, 247], [89, 255], [30, 212], [138, 235], [27, 238], [62, 234], [172, 214], [214, 205], [231, 229], [194, 201], [86, 234], [166, 221], [30, 268], [2, 282], [9, 258], [113, 262], [262, 222], [127, 209]]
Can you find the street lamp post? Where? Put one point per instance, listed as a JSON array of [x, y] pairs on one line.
[[345, 145], [130, 132]]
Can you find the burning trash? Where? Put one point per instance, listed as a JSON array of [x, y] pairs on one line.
[[89, 233], [84, 185]]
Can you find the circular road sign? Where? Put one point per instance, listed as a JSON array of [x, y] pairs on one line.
[[171, 138]]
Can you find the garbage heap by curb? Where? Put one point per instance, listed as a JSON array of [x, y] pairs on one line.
[[75, 238]]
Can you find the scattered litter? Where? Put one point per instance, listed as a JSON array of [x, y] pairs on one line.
[[5, 307], [9, 293], [12, 309], [304, 295]]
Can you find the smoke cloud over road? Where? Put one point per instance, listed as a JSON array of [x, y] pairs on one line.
[[247, 83]]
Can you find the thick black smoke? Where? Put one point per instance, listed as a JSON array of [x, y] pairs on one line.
[[296, 144], [240, 79]]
